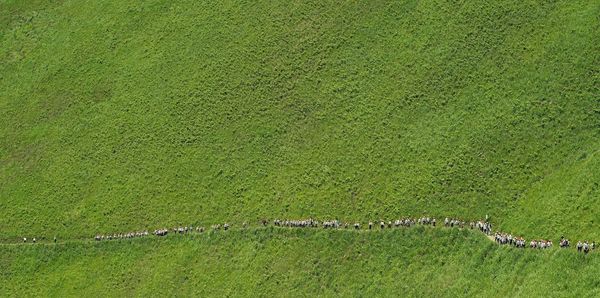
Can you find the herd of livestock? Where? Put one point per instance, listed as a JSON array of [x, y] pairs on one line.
[[482, 225]]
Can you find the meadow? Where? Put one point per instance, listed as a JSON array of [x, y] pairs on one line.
[[119, 116], [280, 262]]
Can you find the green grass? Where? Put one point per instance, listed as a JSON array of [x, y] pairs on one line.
[[118, 116], [291, 263]]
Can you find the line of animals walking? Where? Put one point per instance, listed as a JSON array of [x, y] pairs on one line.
[[483, 226]]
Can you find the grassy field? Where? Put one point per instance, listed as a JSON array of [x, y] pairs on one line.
[[121, 116], [118, 116], [292, 263]]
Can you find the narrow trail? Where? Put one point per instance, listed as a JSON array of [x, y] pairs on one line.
[[88, 240], [193, 234]]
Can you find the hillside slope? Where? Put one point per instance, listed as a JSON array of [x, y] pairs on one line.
[[297, 263], [120, 116]]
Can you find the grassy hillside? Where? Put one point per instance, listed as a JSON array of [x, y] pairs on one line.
[[292, 263], [118, 116]]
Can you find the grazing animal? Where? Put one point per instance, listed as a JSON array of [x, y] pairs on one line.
[[586, 247]]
